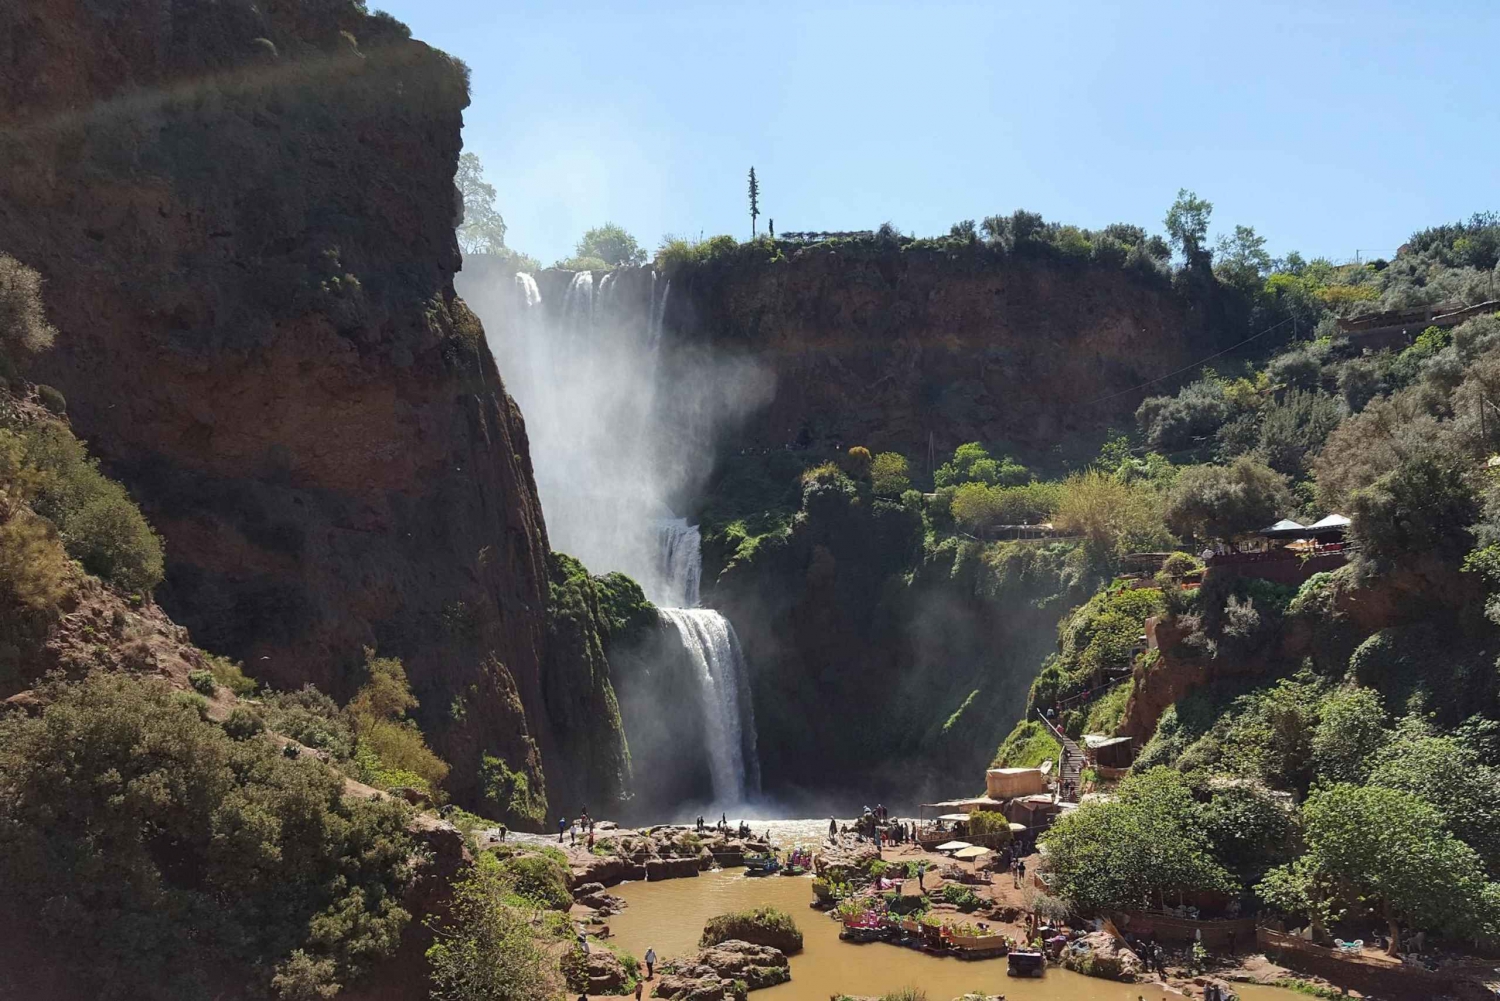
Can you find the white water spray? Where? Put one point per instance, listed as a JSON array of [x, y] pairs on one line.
[[619, 428]]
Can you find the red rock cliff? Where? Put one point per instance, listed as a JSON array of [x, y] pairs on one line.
[[244, 213]]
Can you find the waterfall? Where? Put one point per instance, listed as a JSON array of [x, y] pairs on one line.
[[681, 562], [725, 699], [619, 432]]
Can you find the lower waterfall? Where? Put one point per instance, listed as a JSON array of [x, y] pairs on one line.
[[725, 693]]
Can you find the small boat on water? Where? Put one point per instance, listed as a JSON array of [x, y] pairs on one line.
[[761, 865], [1026, 963]]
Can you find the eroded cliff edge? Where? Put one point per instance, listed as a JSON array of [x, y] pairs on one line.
[[244, 213]]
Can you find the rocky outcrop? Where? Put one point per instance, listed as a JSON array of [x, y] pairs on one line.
[[244, 214], [1100, 954], [884, 347], [757, 965], [719, 971]]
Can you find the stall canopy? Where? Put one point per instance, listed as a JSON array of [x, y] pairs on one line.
[[954, 818], [972, 852], [1286, 528], [953, 846]]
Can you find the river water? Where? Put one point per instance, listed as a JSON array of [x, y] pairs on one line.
[[669, 916]]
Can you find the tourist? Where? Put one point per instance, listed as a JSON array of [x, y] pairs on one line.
[[1021, 868], [921, 873], [573, 833], [562, 825], [591, 839], [650, 963], [640, 987], [833, 829]]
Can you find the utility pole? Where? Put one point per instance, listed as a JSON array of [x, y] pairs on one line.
[[754, 202]]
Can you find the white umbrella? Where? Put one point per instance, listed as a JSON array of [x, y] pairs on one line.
[[973, 851]]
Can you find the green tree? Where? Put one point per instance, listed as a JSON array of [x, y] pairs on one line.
[[145, 837], [1221, 502], [1424, 505], [489, 947], [1451, 777], [754, 202], [1383, 851], [610, 244], [1349, 734], [1187, 224], [1115, 516], [483, 228], [1142, 849], [971, 463], [1242, 258], [890, 474]]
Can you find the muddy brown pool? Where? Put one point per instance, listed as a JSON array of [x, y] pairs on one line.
[[669, 916]]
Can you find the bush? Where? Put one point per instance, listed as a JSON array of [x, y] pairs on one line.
[[960, 896], [761, 926], [258, 855], [1422, 506], [489, 944], [972, 464], [390, 749], [52, 399], [540, 879], [311, 718], [24, 329], [1221, 502], [1115, 516], [100, 525], [203, 682], [33, 562], [1027, 746], [889, 475], [243, 723], [230, 674]]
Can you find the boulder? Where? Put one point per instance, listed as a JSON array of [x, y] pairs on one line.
[[633, 871], [581, 890], [689, 987], [606, 870], [670, 868], [757, 965], [606, 973], [1100, 954]]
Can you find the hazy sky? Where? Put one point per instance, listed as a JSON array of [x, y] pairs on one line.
[[1331, 127]]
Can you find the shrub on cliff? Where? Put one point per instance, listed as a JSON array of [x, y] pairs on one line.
[[541, 879], [889, 474], [977, 506], [492, 943], [1027, 746], [971, 463], [145, 838], [389, 749], [1115, 517], [311, 718], [761, 926], [24, 329], [1424, 506], [100, 525]]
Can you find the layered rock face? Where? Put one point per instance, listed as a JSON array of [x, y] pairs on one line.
[[244, 213], [893, 350]]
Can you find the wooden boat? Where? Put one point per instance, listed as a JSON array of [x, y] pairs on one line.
[[1026, 963]]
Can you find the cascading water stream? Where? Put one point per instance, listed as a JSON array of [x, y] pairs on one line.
[[605, 452]]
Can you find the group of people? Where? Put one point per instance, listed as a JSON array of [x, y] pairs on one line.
[[876, 825], [1018, 871], [584, 823]]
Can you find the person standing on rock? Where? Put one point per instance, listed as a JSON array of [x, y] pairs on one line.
[[562, 825], [921, 874], [650, 963], [833, 829]]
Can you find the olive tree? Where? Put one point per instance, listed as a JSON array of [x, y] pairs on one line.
[[1221, 502]]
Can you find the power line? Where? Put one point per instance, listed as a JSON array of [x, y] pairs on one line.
[[1189, 368]]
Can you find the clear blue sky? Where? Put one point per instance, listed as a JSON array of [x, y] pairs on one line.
[[1329, 126]]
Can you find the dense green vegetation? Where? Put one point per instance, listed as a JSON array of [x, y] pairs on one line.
[[145, 837], [761, 926]]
